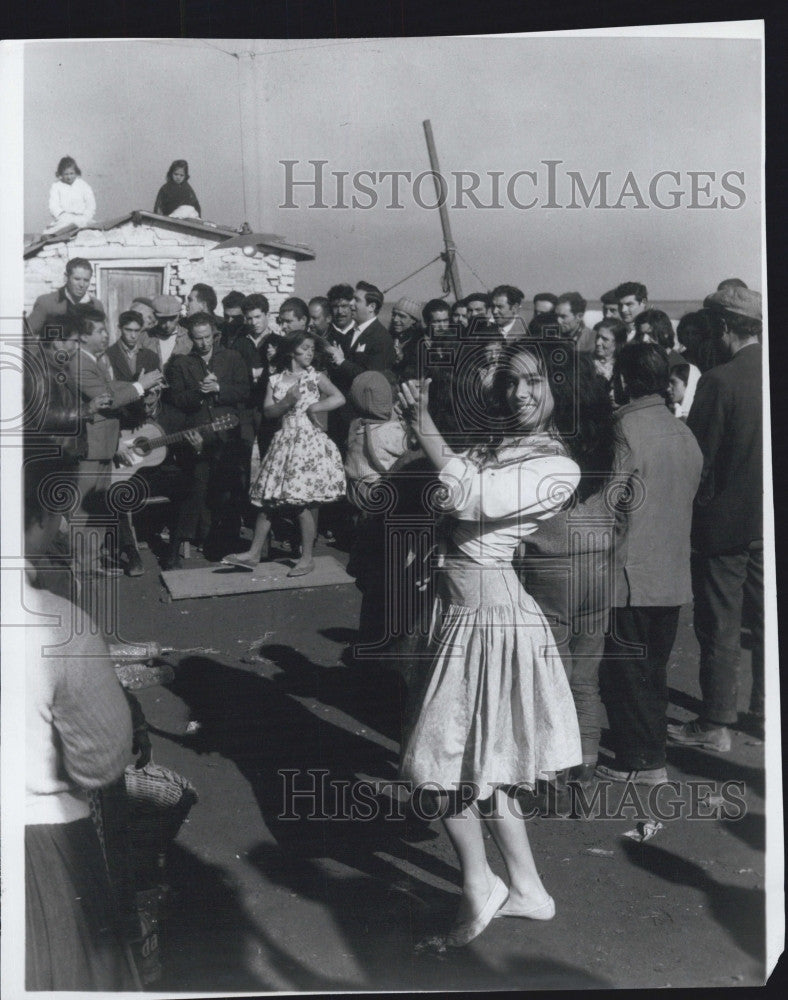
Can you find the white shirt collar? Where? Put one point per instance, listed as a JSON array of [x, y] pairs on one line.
[[360, 329]]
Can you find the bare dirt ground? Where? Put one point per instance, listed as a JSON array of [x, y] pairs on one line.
[[262, 902]]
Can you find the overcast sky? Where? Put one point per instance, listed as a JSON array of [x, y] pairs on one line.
[[125, 110]]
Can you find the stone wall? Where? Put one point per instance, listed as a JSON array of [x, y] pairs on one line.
[[191, 258]]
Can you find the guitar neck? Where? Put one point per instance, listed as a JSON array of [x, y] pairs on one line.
[[166, 439]]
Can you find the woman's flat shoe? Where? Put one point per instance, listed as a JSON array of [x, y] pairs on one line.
[[544, 912], [465, 932], [240, 562], [302, 570]]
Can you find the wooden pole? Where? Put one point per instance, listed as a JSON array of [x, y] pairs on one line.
[[451, 250]]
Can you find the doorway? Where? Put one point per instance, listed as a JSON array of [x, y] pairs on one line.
[[119, 286]]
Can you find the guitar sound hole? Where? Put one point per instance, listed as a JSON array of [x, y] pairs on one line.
[[142, 446]]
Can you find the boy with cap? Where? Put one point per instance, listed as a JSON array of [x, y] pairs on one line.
[[727, 524]]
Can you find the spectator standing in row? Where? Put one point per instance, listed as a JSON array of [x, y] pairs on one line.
[[232, 323], [168, 338], [507, 303], [632, 299], [72, 299], [569, 312], [544, 302], [658, 467], [727, 528]]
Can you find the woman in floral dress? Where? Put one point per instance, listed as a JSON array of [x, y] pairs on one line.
[[302, 467]]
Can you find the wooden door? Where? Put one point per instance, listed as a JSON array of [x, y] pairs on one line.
[[121, 285]]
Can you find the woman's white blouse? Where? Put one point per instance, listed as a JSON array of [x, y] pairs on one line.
[[497, 505]]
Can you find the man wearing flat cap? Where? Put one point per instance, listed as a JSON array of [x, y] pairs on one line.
[[168, 337], [727, 524]]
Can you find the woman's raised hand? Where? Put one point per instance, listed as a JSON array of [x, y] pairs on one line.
[[412, 398], [293, 394]]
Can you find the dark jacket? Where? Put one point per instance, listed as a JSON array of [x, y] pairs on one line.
[[49, 307], [372, 352], [726, 419], [146, 360], [184, 373]]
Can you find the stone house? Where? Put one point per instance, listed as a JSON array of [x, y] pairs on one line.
[[148, 255]]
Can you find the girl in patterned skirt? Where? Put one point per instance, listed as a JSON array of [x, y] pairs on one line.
[[302, 467]]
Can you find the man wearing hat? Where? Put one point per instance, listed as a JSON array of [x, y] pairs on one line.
[[727, 525], [405, 330], [168, 337]]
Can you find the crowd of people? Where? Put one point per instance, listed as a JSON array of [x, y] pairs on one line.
[[576, 487]]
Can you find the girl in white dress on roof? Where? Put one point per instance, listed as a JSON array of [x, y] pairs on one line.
[[494, 710], [71, 200]]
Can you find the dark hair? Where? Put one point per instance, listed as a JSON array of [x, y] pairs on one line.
[[45, 480], [255, 301], [644, 368], [142, 301], [62, 327], [478, 297], [276, 339], [609, 298], [76, 262], [700, 333], [207, 294], [297, 307], [582, 410], [574, 300], [290, 343], [434, 306], [200, 319], [681, 369], [178, 165], [513, 295], [631, 288], [742, 327], [544, 325], [322, 301], [617, 327], [233, 300], [130, 316], [661, 327], [90, 317], [337, 292], [65, 163], [546, 297], [730, 283], [372, 295]]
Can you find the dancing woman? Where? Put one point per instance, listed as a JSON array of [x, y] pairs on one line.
[[495, 710]]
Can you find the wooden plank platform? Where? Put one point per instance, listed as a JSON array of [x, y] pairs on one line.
[[222, 581]]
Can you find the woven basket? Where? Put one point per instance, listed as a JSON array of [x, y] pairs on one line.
[[159, 801]]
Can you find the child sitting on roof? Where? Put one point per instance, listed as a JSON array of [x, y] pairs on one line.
[[71, 200], [177, 197]]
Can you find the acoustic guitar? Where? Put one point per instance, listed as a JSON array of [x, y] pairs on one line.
[[147, 445]]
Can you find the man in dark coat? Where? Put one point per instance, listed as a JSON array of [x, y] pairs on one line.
[[210, 382], [73, 299], [727, 526]]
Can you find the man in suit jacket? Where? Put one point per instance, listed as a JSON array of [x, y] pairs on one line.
[[367, 348], [727, 525], [73, 299], [205, 384], [93, 378]]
